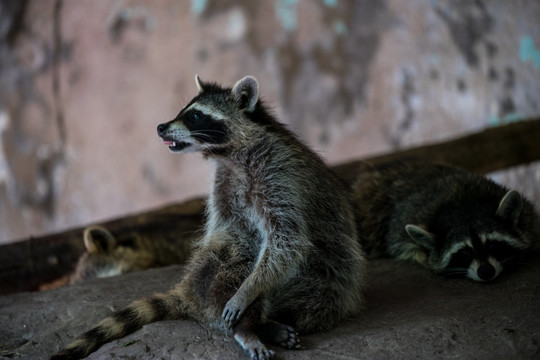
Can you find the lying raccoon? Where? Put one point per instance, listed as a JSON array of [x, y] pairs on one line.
[[454, 222], [139, 249], [280, 252]]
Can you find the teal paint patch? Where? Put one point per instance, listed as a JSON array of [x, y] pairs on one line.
[[433, 59], [331, 3], [528, 52], [198, 6], [506, 119], [512, 118], [287, 13], [340, 28], [494, 121]]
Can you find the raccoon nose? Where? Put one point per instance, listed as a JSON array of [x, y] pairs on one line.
[[161, 129], [486, 271]]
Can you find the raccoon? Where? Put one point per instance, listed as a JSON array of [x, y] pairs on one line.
[[280, 253], [451, 221], [134, 250]]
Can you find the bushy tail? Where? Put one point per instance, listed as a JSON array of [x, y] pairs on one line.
[[124, 322]]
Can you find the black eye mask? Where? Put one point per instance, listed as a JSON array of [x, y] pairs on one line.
[[204, 128]]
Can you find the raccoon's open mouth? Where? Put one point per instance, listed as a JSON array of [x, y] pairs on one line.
[[176, 145]]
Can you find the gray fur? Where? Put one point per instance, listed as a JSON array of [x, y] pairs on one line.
[[280, 253], [511, 207], [134, 250], [247, 90], [439, 216]]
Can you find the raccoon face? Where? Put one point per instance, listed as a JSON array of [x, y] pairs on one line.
[[481, 257], [481, 254], [215, 119], [106, 257]]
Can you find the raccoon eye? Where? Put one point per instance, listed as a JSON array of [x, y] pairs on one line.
[[461, 259], [196, 115], [465, 254], [500, 250]]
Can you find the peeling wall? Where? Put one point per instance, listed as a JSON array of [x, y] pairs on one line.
[[84, 83]]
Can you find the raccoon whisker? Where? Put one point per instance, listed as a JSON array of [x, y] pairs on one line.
[[201, 135], [207, 133], [209, 149], [515, 263], [202, 132], [454, 272], [211, 130], [205, 136], [516, 259]]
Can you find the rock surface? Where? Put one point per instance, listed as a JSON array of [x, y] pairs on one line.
[[409, 313]]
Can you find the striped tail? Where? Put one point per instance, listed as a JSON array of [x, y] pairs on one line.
[[124, 322]]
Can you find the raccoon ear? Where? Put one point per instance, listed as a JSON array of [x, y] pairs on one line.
[[98, 240], [420, 236], [246, 93], [510, 206], [199, 83]]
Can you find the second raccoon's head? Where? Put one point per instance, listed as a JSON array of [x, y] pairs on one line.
[[477, 250], [107, 256], [216, 119]]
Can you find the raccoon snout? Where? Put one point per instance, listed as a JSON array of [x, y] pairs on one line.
[[161, 129], [486, 272]]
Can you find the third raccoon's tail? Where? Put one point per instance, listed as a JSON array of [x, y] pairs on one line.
[[123, 322]]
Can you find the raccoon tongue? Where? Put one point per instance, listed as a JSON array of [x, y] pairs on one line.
[[169, 143]]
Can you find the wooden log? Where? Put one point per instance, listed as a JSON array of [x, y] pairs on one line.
[[26, 264], [493, 149]]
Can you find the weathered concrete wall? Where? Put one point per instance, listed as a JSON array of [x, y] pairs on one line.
[[84, 83]]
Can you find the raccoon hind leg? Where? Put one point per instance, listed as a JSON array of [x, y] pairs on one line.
[[279, 334], [312, 306], [246, 331], [213, 277]]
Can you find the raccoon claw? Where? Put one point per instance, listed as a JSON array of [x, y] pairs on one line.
[[234, 309], [231, 316], [261, 354]]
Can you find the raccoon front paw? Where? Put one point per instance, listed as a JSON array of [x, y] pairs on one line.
[[234, 309]]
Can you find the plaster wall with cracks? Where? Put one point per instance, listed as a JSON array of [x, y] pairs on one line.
[[32, 127], [83, 84]]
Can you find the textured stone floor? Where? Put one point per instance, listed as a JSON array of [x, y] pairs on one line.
[[410, 313]]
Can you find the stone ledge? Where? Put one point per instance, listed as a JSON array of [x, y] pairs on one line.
[[410, 313]]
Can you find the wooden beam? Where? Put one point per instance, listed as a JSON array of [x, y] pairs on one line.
[[26, 264], [483, 152]]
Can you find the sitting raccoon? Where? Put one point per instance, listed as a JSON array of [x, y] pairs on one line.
[[136, 250], [451, 221], [280, 252]]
